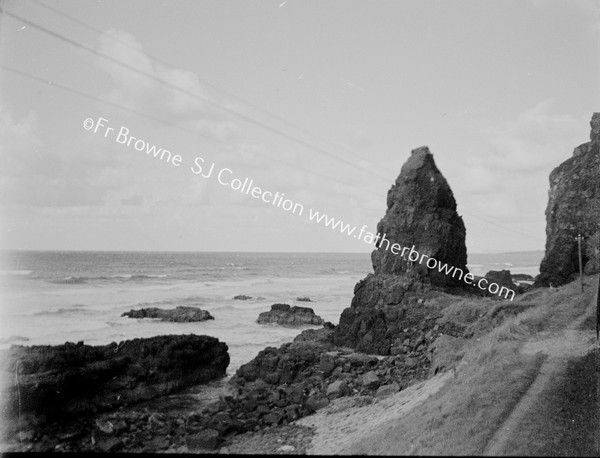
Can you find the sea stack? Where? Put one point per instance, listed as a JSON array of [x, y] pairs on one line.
[[421, 212], [573, 209]]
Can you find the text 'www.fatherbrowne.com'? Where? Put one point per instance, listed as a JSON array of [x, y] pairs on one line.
[[227, 177]]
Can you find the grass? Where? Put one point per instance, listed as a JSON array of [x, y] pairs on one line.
[[489, 381]]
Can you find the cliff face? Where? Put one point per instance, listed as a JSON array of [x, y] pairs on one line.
[[387, 308], [573, 208]]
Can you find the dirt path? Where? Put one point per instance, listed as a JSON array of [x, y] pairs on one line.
[[340, 426], [527, 428]]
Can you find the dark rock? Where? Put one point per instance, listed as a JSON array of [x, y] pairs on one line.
[[242, 297], [207, 439], [327, 364], [317, 402], [421, 217], [63, 381], [503, 278], [573, 208], [285, 315], [179, 314], [303, 299]]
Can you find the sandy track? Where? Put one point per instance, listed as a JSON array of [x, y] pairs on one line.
[[559, 350], [341, 426]]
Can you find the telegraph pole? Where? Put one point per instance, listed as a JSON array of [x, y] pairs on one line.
[[579, 238]]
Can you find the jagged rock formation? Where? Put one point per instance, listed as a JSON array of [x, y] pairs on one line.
[[387, 309], [59, 382], [285, 315], [179, 314], [573, 208]]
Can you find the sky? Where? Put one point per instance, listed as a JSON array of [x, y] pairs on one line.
[[322, 101]]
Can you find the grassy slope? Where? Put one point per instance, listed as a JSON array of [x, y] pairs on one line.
[[490, 380]]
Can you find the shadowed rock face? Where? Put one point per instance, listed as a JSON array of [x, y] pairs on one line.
[[421, 211], [387, 307], [62, 381], [573, 208]]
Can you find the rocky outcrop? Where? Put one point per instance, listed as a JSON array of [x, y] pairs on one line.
[[179, 314], [388, 306], [573, 208], [55, 383], [285, 315]]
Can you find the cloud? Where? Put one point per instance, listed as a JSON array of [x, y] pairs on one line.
[[175, 95], [536, 141]]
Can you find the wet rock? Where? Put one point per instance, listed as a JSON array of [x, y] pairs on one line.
[[285, 315], [242, 297], [179, 314], [303, 299]]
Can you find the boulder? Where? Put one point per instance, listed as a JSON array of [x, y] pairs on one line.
[[179, 314], [285, 315], [370, 380], [337, 389], [573, 208], [242, 297], [503, 278]]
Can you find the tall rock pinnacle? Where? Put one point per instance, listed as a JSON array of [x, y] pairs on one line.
[[573, 208], [387, 307], [421, 211]]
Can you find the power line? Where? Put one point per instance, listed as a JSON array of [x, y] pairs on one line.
[[215, 104], [185, 91], [162, 121], [229, 94]]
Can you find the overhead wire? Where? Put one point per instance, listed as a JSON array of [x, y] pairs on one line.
[[212, 103]]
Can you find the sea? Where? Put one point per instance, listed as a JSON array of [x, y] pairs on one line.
[[53, 297]]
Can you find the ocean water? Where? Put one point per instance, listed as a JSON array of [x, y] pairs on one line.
[[50, 297]]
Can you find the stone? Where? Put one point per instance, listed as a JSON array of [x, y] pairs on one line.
[[327, 364], [386, 390], [337, 389], [370, 380], [573, 208], [304, 299], [207, 439], [242, 297], [285, 315], [317, 401], [179, 314]]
